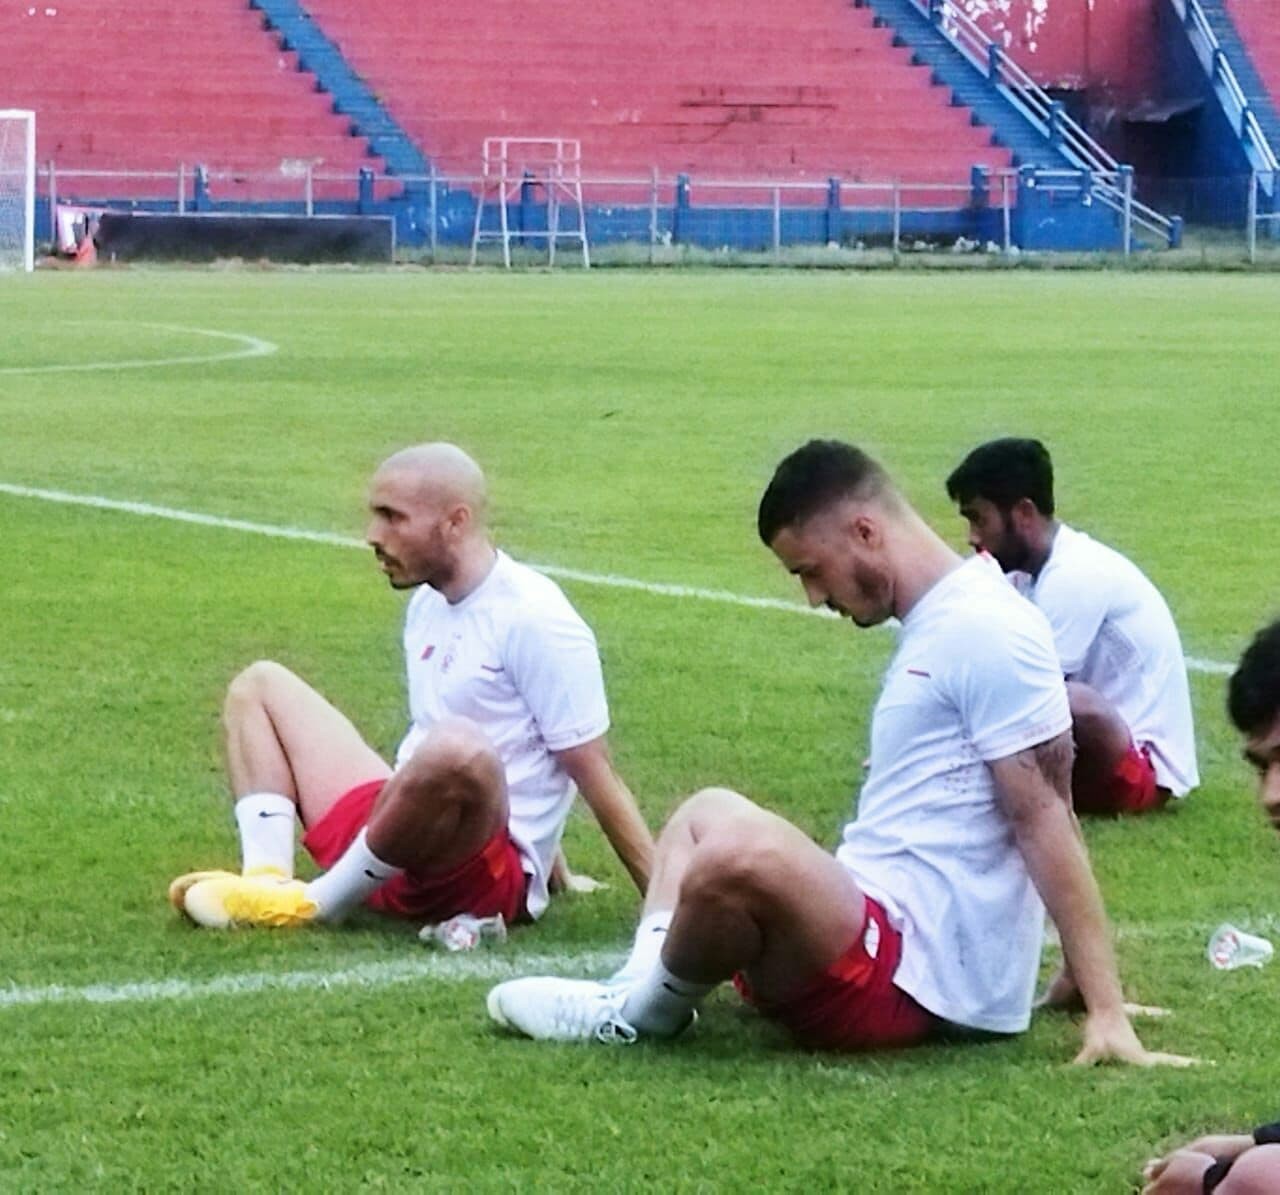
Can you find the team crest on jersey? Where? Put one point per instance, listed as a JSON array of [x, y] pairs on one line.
[[426, 651]]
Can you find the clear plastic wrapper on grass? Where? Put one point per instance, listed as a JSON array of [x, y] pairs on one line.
[[464, 932]]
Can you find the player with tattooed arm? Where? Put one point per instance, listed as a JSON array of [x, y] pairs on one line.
[[930, 914]]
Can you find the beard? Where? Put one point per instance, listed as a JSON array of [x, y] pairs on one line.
[[876, 589], [1011, 553]]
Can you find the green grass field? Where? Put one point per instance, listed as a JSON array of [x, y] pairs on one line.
[[628, 422]]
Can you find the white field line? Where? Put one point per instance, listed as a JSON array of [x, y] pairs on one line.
[[608, 580], [455, 968], [249, 346], [447, 968]]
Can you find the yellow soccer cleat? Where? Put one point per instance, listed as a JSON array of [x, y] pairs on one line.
[[226, 901], [179, 888]]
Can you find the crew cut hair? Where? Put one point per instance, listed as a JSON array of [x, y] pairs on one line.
[[1003, 472], [815, 476], [1253, 693]]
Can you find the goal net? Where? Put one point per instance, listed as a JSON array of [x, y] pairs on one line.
[[17, 189]]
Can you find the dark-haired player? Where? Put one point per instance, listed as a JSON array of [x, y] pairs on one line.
[[1253, 701], [931, 911], [1117, 642]]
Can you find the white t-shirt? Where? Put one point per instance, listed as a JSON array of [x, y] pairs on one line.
[[1114, 632], [517, 659], [975, 679]]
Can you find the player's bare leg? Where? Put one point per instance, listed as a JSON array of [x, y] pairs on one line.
[[283, 737], [290, 754], [1102, 741], [752, 894], [446, 802], [734, 888], [438, 810]]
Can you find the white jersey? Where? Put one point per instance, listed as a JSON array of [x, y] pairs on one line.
[[975, 679], [1114, 632], [517, 659]]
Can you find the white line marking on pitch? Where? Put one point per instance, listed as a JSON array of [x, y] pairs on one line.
[[443, 968], [446, 967], [608, 580], [250, 346]]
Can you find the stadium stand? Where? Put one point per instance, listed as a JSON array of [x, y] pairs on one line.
[[144, 85], [1256, 25], [261, 91], [708, 90]]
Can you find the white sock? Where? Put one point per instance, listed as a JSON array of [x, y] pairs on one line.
[[266, 831], [661, 1003], [357, 874], [647, 947]]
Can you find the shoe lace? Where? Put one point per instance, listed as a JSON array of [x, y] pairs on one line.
[[615, 1032], [594, 1016]]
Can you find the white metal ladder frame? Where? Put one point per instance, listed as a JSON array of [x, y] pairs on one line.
[[510, 164]]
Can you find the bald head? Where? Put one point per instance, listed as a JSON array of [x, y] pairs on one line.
[[428, 510], [438, 476]]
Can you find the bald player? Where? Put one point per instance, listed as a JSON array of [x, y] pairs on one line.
[[507, 720]]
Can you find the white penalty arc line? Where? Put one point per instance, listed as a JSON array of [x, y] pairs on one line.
[[250, 346], [606, 580], [448, 968]]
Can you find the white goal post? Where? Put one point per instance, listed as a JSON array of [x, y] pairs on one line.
[[17, 189]]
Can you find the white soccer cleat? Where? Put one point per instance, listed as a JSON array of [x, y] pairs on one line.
[[550, 1009]]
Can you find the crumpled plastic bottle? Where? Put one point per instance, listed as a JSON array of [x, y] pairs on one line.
[[464, 932]]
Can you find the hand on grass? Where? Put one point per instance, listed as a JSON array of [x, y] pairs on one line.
[[563, 879], [577, 882], [1062, 995], [1110, 1038], [1178, 1173]]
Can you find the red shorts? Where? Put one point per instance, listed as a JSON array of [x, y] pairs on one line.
[[491, 881], [1132, 787], [853, 1004]]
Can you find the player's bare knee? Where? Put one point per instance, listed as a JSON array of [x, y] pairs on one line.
[[456, 761], [708, 808], [732, 865], [1091, 713], [251, 686]]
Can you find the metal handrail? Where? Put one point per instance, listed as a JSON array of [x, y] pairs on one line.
[[1047, 115], [1139, 213], [990, 59], [1213, 58]]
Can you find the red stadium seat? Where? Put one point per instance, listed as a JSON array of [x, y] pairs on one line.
[[726, 87], [144, 85]]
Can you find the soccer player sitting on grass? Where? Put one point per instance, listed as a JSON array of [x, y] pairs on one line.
[[1253, 701], [931, 911], [1119, 648], [508, 716]]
